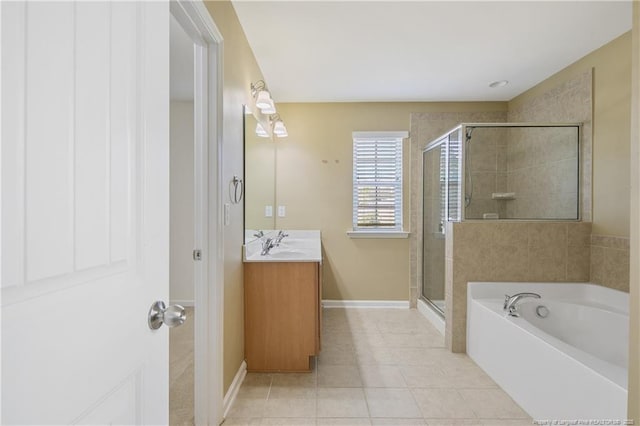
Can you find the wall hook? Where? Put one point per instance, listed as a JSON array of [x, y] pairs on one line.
[[236, 190]]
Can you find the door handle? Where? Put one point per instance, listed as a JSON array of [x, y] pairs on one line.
[[172, 316]]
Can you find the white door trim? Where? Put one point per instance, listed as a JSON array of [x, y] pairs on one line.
[[194, 17]]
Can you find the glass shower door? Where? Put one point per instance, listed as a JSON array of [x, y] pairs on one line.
[[434, 172]]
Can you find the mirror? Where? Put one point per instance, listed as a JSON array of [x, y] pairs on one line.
[[259, 179]]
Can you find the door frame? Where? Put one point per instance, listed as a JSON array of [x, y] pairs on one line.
[[195, 19]]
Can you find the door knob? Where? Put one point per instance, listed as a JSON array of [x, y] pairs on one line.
[[171, 316]]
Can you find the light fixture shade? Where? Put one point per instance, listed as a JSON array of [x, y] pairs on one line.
[[270, 109], [264, 99], [260, 131], [279, 129]]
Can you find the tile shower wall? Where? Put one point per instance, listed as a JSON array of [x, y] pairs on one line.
[[610, 261], [539, 165], [488, 168], [542, 171], [508, 251]]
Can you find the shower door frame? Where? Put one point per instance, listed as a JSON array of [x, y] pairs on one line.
[[442, 140]]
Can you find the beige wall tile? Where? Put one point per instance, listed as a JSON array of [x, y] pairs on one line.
[[616, 269], [610, 261], [579, 234], [547, 263], [547, 235], [597, 264], [578, 263]]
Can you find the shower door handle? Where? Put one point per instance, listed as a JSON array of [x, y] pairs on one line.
[[172, 316]]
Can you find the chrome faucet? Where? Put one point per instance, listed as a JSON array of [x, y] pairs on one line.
[[267, 245], [259, 234], [510, 302], [280, 237]]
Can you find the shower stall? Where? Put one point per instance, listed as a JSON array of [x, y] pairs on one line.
[[494, 171]]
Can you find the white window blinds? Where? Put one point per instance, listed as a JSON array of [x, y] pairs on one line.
[[377, 180]]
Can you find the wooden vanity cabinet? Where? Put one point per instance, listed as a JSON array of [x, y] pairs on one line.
[[282, 315]]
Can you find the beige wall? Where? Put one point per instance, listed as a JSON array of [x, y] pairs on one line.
[[314, 177], [240, 70], [181, 205], [611, 66], [634, 329]]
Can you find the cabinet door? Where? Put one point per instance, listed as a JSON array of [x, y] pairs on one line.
[[281, 315]]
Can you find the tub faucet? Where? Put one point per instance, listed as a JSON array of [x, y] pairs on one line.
[[259, 234], [267, 245], [510, 302]]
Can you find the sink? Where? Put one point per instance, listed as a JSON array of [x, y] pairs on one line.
[[299, 246]]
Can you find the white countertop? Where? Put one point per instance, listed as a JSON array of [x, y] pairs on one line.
[[298, 246]]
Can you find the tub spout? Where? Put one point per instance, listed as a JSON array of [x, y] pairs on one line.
[[510, 302]]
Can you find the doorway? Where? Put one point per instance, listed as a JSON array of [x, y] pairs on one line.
[[195, 361], [182, 223]]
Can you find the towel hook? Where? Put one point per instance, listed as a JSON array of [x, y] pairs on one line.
[[237, 192]]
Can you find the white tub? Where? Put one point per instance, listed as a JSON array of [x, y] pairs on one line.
[[571, 364]]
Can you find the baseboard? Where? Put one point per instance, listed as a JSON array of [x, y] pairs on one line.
[[231, 394], [185, 303], [393, 304], [435, 319]]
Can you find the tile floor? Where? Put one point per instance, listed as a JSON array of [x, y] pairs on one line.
[[377, 367], [181, 373]]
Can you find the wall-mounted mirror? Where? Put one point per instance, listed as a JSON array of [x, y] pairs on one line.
[[259, 178]]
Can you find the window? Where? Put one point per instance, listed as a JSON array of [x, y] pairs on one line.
[[377, 181]]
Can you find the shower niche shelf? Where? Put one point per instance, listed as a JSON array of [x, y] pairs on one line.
[[503, 196]]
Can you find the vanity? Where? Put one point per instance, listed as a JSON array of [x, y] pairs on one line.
[[282, 302]]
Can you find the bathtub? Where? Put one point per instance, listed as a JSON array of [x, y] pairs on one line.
[[567, 360]]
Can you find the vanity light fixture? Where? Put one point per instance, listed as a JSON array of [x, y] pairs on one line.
[[279, 128], [263, 98], [261, 132]]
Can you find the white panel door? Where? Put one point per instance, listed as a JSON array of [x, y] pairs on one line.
[[85, 211]]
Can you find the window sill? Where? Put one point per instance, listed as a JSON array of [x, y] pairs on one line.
[[377, 234]]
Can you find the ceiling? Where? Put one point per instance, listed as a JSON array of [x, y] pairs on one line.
[[344, 51]]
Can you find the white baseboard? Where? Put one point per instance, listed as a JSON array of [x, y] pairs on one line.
[[231, 394], [185, 303], [394, 304], [435, 319]]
